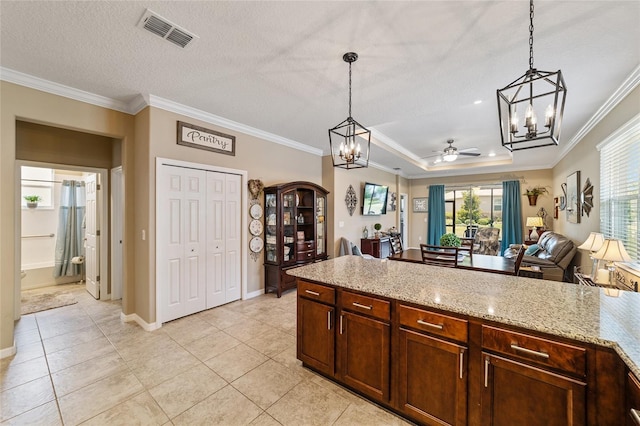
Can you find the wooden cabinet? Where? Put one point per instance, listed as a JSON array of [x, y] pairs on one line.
[[531, 380], [633, 400], [376, 247], [295, 231], [364, 345], [432, 373], [316, 327]]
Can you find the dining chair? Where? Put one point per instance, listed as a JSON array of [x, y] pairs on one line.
[[467, 246], [439, 255], [396, 245], [518, 261]]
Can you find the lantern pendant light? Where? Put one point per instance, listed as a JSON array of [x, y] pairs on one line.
[[535, 94], [346, 140]]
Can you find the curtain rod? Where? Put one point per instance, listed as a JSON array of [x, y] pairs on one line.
[[41, 180]]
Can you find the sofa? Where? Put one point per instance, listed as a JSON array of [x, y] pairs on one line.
[[553, 253]]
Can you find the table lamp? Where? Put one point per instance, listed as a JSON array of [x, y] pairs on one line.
[[592, 245], [534, 221], [612, 251]]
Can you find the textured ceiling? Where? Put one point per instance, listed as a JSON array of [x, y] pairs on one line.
[[277, 66]]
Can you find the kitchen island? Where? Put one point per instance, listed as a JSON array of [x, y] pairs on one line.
[[384, 323]]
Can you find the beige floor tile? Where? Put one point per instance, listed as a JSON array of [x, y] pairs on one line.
[[372, 416], [165, 365], [211, 345], [25, 397], [189, 329], [308, 404], [28, 351], [76, 337], [272, 342], [25, 323], [186, 389], [27, 337], [265, 384], [83, 374], [225, 407], [114, 325], [289, 360], [247, 329], [137, 353], [66, 358], [44, 415], [140, 410], [91, 400], [264, 420], [222, 317], [15, 374], [236, 362]]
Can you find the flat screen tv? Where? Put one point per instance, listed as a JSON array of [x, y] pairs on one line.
[[374, 199]]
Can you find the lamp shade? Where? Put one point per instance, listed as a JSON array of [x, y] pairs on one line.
[[593, 243], [612, 251], [534, 221]]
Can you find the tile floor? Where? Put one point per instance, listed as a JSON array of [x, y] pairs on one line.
[[231, 365]]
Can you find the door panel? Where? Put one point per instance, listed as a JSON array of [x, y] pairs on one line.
[[233, 236], [215, 239], [92, 239]]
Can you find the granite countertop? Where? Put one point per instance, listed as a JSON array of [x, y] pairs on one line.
[[585, 314]]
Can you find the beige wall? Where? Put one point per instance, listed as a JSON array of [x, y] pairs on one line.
[[528, 179], [585, 158], [19, 103]]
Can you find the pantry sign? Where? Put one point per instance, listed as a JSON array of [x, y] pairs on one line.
[[199, 137]]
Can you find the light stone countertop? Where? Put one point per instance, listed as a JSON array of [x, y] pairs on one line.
[[568, 310]]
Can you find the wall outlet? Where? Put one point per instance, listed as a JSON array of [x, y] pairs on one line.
[[341, 224]]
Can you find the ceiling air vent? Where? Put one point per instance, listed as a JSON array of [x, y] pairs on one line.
[[166, 29]]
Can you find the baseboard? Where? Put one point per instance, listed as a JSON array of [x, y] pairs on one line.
[[142, 323], [7, 352], [253, 294]]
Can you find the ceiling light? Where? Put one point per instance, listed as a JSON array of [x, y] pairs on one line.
[[344, 139], [536, 93], [450, 154], [492, 154], [478, 102]]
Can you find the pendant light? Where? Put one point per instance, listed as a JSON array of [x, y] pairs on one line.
[[347, 139], [535, 94]]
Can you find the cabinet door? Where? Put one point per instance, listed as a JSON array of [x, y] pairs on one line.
[[321, 225], [364, 347], [432, 379], [516, 393], [316, 335], [633, 401]]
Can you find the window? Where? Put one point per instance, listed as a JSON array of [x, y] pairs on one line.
[[620, 186], [472, 207], [37, 181]]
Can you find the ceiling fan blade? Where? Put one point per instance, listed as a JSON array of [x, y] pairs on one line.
[[468, 149], [471, 154]]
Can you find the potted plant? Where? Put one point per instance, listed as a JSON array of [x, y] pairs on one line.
[[533, 193], [32, 201], [377, 227], [450, 240]]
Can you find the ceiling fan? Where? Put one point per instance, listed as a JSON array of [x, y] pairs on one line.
[[451, 153]]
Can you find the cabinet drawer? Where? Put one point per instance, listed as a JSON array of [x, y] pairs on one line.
[[304, 255], [433, 323], [367, 305], [316, 292], [305, 245], [571, 359]]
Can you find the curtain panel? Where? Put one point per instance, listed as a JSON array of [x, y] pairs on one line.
[[70, 237], [511, 214], [436, 222]]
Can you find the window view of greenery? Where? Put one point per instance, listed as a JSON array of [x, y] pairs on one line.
[[466, 210]]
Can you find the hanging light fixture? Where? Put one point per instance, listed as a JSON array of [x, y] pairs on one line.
[[345, 138], [535, 94]]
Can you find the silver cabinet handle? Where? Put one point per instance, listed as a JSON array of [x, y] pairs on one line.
[[341, 316], [315, 293], [461, 362], [486, 372], [358, 305], [328, 320], [529, 351], [428, 324], [635, 416]]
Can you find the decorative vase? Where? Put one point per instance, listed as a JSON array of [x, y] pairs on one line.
[[533, 199], [365, 232], [32, 205]]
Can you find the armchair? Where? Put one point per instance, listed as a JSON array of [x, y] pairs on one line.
[[553, 254], [487, 241]]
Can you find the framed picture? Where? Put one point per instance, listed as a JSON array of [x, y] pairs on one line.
[[210, 140], [421, 204], [300, 235], [286, 218], [573, 198]]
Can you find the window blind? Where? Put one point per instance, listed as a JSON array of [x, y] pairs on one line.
[[620, 187]]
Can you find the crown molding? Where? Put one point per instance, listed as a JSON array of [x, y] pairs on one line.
[[167, 105], [47, 86], [630, 83]]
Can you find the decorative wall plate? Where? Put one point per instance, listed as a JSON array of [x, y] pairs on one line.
[[255, 227], [256, 244], [587, 197], [255, 211], [351, 199]]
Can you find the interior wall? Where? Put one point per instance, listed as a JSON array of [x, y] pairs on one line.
[[19, 103], [528, 179], [585, 158]]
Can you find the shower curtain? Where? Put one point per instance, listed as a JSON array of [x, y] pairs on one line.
[[70, 237]]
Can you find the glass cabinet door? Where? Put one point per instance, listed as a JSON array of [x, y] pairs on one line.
[[271, 229], [289, 202], [321, 225]]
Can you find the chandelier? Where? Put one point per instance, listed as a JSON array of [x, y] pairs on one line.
[[536, 93], [345, 138]]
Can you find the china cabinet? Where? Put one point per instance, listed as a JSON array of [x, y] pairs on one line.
[[295, 231]]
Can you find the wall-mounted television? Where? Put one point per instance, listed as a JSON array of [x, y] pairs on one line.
[[374, 199]]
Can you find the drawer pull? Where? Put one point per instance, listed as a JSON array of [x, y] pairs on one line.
[[314, 293], [328, 320], [486, 372], [461, 362], [635, 416], [428, 324], [529, 351], [358, 305], [341, 316]]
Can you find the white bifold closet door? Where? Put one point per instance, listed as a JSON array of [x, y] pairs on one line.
[[198, 231]]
